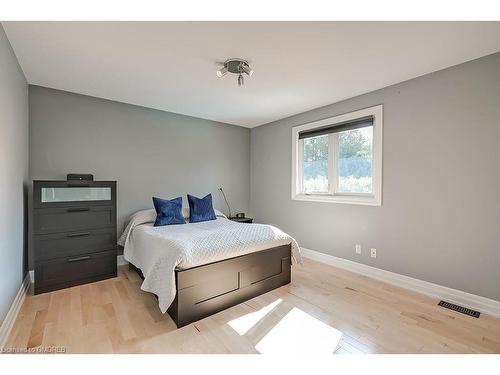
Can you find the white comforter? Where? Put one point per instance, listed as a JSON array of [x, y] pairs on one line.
[[158, 251]]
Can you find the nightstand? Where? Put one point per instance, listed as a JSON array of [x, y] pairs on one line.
[[248, 220]]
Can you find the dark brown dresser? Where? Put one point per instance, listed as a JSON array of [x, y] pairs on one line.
[[74, 228]]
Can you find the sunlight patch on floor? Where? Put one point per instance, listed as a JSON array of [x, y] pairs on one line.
[[244, 323], [301, 333]]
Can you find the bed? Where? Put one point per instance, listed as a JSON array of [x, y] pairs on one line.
[[198, 269]]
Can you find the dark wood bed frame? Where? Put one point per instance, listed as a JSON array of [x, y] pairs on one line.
[[213, 287]]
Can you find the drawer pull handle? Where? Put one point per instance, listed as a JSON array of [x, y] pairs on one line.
[[78, 209], [79, 234], [79, 259]]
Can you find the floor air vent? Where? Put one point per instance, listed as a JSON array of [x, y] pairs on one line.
[[460, 309]]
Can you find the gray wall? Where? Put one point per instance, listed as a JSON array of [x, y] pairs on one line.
[[149, 152], [440, 216], [13, 174]]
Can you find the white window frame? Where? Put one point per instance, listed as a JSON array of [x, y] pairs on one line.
[[372, 199]]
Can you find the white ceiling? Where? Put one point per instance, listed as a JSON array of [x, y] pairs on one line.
[[298, 65]]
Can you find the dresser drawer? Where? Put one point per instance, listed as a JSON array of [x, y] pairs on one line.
[[47, 194], [70, 271], [68, 244], [70, 219]]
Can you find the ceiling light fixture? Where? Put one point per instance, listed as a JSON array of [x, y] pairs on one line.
[[236, 66]]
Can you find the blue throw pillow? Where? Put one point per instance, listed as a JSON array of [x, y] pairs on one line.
[[168, 212], [200, 209]]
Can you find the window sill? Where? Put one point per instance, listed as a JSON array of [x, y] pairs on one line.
[[366, 200]]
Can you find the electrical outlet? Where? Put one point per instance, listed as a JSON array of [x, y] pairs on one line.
[[373, 252], [358, 249]]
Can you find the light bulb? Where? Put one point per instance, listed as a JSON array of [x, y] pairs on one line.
[[246, 69], [222, 72]]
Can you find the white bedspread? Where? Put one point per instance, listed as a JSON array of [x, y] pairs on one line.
[[158, 251]]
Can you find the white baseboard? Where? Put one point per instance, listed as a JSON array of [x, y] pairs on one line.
[[482, 304], [11, 316]]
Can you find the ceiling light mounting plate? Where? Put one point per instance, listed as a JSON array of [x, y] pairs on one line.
[[235, 66]]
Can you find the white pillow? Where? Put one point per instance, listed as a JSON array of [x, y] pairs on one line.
[[219, 214], [185, 212], [140, 217]]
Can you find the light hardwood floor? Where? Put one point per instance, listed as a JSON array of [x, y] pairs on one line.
[[321, 305]]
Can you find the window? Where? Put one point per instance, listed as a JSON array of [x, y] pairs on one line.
[[315, 164], [339, 159]]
